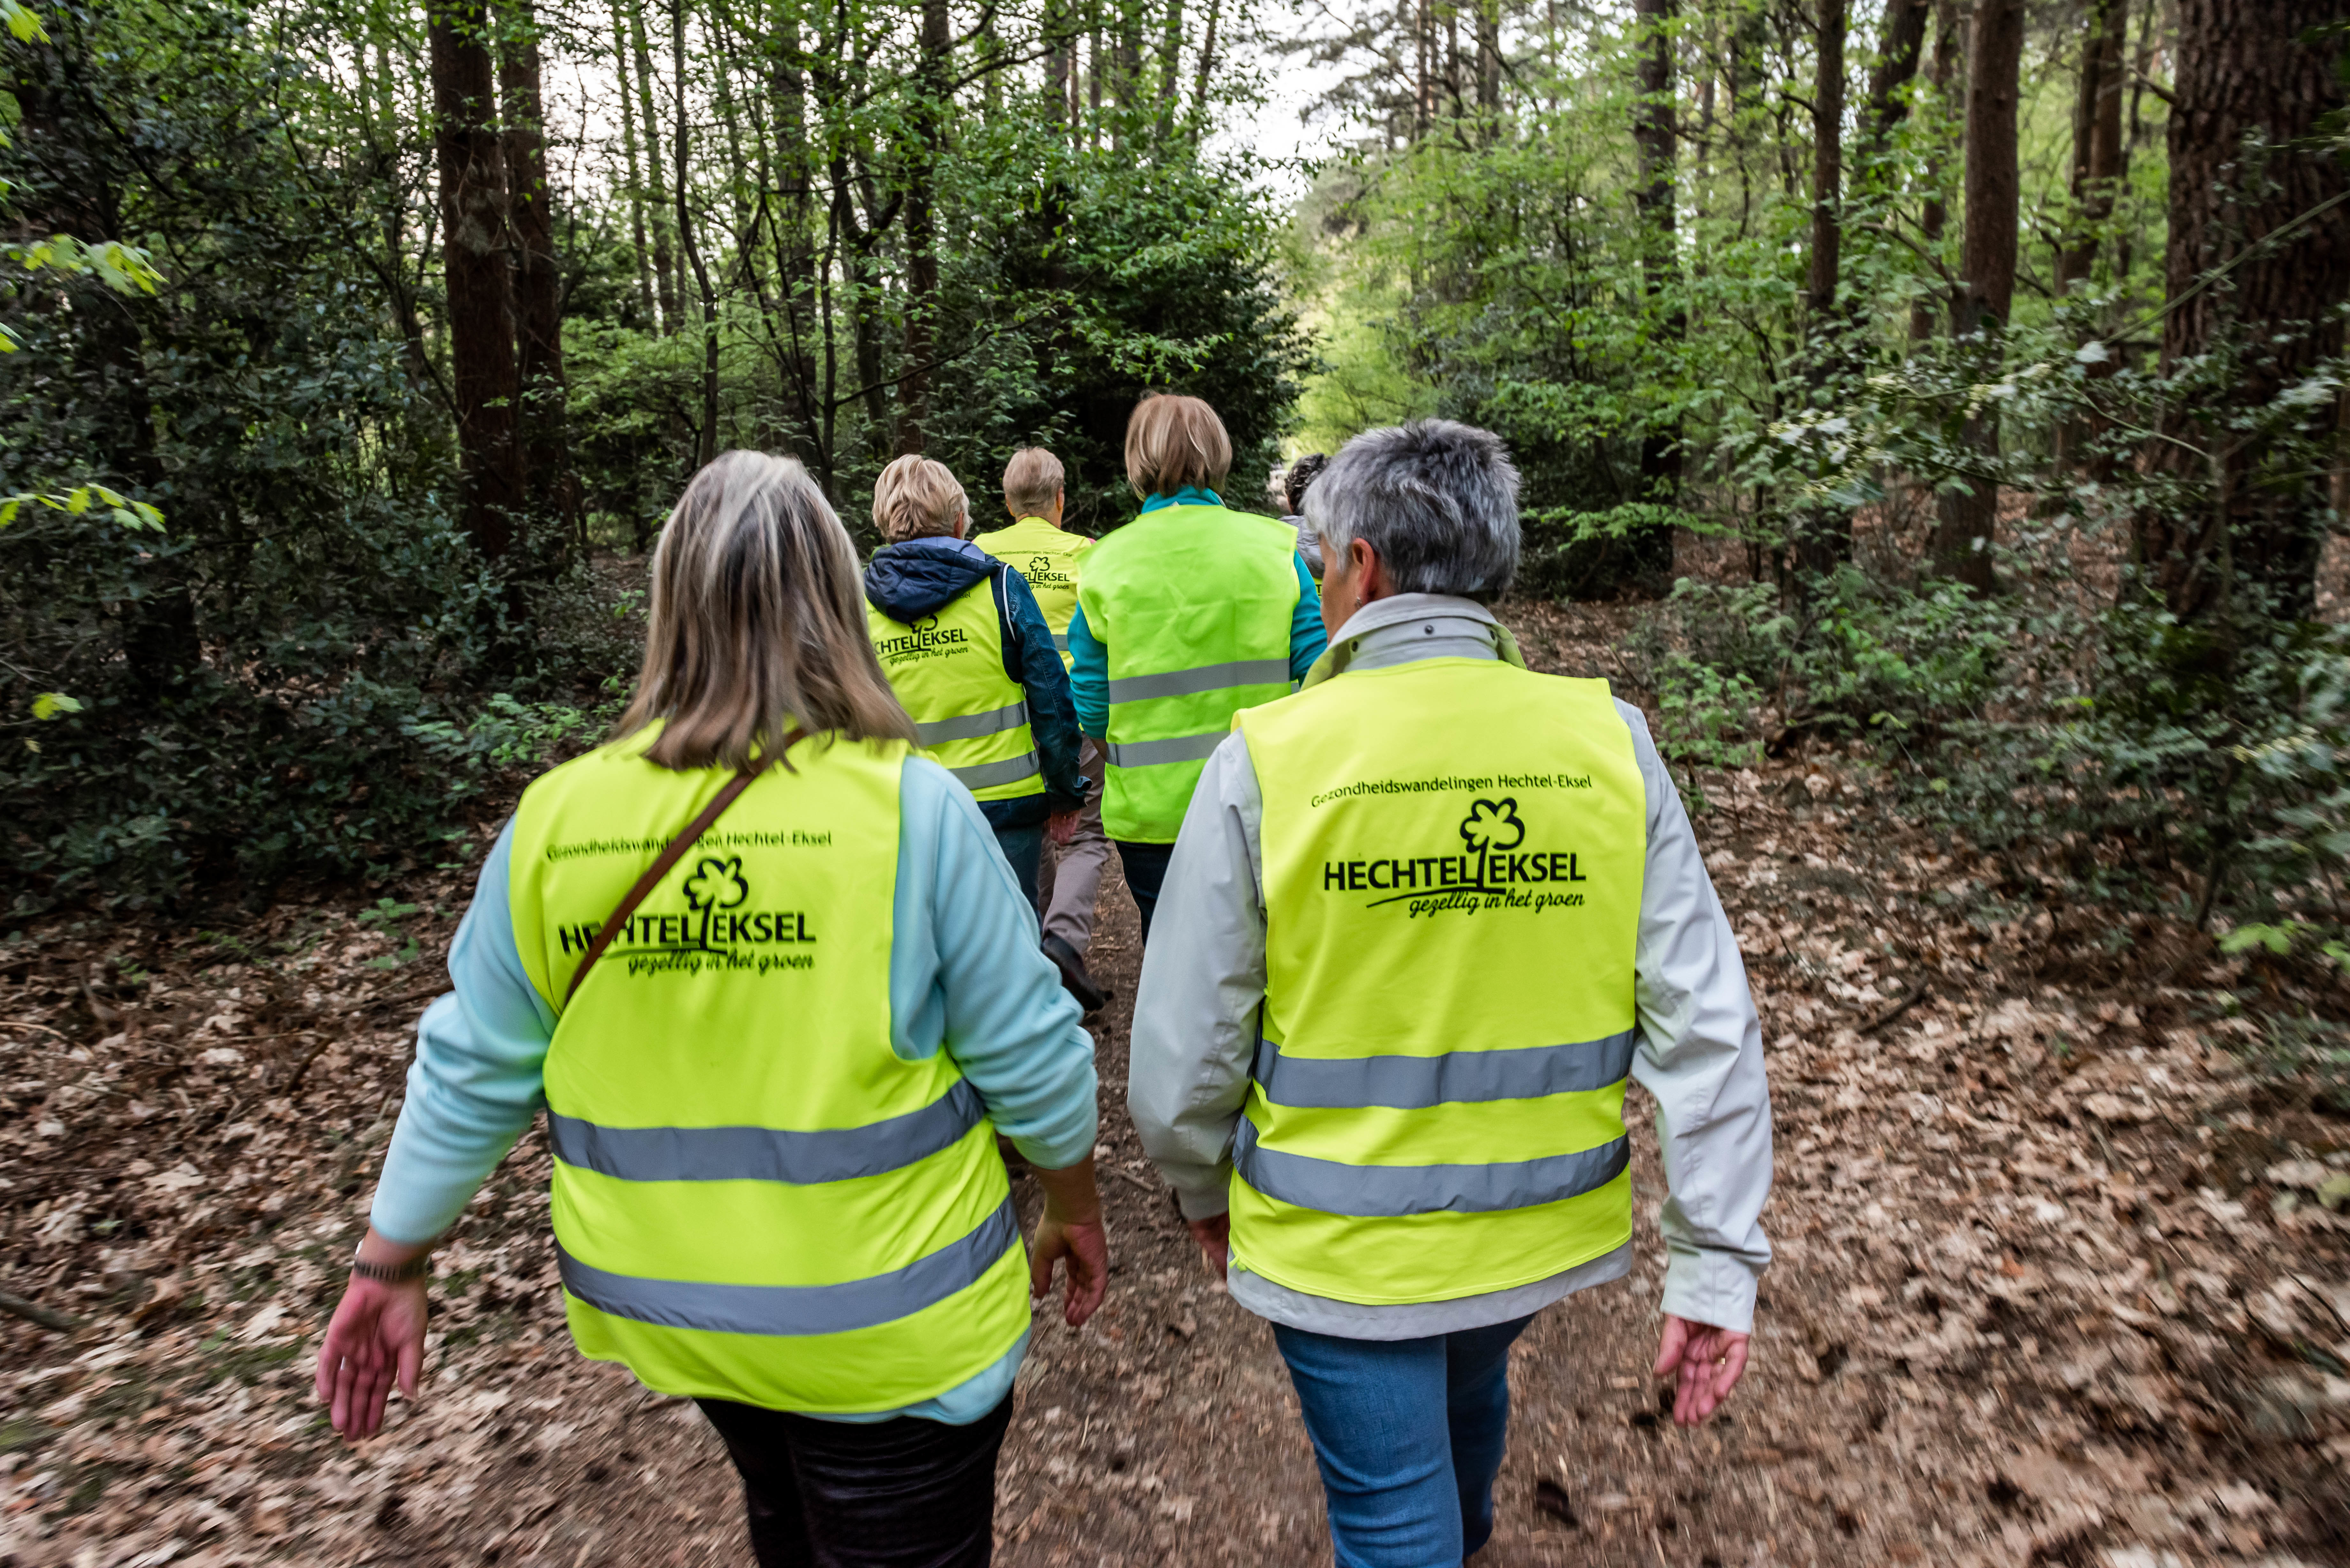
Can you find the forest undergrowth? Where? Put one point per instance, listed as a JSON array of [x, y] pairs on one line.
[[2063, 1274]]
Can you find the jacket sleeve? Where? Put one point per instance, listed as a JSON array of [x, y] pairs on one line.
[[1195, 1011], [1307, 635], [966, 975], [1052, 716], [479, 1075], [1700, 1057], [1090, 676]]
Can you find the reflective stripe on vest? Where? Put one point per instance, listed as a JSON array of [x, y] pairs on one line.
[[970, 717], [754, 1198], [1413, 1083], [767, 1153], [1389, 1190], [1193, 606], [1437, 1102], [797, 1311]]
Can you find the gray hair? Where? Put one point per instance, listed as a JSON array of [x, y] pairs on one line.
[[1438, 501]]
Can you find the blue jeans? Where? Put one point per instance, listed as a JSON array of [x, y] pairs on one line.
[[1409, 1434]]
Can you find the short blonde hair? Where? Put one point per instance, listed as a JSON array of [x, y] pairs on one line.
[[1173, 442], [1032, 479], [916, 498], [757, 622]]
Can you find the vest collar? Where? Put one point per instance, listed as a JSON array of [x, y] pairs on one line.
[[1190, 496], [1404, 629]]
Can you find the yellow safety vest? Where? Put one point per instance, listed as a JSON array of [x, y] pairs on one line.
[[970, 717], [1452, 851], [756, 1198], [1193, 605], [1047, 557]]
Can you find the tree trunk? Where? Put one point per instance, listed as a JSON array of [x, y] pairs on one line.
[[707, 448], [1060, 65], [1207, 57], [665, 273], [1171, 58], [1932, 215], [473, 245], [796, 259], [1489, 67], [1655, 135], [1824, 532], [1962, 536], [2255, 78], [2096, 138], [550, 488], [1898, 51], [636, 191], [931, 73]]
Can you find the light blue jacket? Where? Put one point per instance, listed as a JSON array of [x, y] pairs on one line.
[[966, 976]]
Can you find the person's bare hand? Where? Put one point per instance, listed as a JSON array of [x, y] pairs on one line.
[[1215, 1238], [1084, 1246], [375, 1339], [1070, 1232], [1063, 827], [1706, 1363]]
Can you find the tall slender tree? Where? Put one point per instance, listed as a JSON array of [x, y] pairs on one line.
[[706, 446], [1655, 136], [474, 247], [549, 488], [1986, 287], [659, 198], [932, 74], [2097, 137], [635, 193]]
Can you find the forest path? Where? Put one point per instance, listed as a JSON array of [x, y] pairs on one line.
[[2053, 1285]]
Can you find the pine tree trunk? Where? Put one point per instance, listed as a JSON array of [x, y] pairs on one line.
[[1932, 215], [1962, 535], [793, 227], [550, 487], [2253, 77], [475, 248], [1655, 136], [707, 447], [931, 75], [2097, 137], [1207, 57], [1898, 51], [636, 191], [1824, 533], [659, 198], [1170, 59]]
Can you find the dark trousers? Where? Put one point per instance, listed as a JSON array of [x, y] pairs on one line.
[[901, 1493], [1146, 867], [1022, 847]]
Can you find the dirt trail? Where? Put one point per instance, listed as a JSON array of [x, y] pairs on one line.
[[2055, 1282]]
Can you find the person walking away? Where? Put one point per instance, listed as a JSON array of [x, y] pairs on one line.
[[1068, 877], [1424, 921], [967, 654], [774, 1057], [1294, 486], [1185, 615]]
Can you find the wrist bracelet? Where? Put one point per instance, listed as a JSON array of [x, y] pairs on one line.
[[416, 1268]]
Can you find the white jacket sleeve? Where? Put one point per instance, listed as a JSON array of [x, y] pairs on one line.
[[1196, 1008], [1700, 1057]]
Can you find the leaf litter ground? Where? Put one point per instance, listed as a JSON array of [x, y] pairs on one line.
[[2058, 1282]]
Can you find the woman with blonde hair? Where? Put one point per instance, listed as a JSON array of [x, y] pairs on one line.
[[767, 974], [1185, 615]]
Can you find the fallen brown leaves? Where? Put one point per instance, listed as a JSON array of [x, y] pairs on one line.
[[2058, 1280]]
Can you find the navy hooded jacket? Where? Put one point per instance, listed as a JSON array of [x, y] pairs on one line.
[[921, 576]]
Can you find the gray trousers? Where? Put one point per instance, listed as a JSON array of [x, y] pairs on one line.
[[1068, 877]]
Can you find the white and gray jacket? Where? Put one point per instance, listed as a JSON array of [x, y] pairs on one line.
[[1700, 1045]]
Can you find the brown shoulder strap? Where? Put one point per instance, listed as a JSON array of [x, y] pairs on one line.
[[672, 856]]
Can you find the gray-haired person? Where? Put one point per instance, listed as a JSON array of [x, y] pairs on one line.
[[1424, 920]]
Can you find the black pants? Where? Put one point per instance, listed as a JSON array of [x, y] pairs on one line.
[[1146, 867], [902, 1493]]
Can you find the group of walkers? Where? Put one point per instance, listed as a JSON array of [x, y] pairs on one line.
[[784, 962]]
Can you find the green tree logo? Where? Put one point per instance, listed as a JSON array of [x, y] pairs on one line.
[[716, 885], [1492, 828]]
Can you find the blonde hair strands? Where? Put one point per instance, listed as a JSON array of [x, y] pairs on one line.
[[916, 498], [1173, 442], [757, 622], [1032, 479]]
